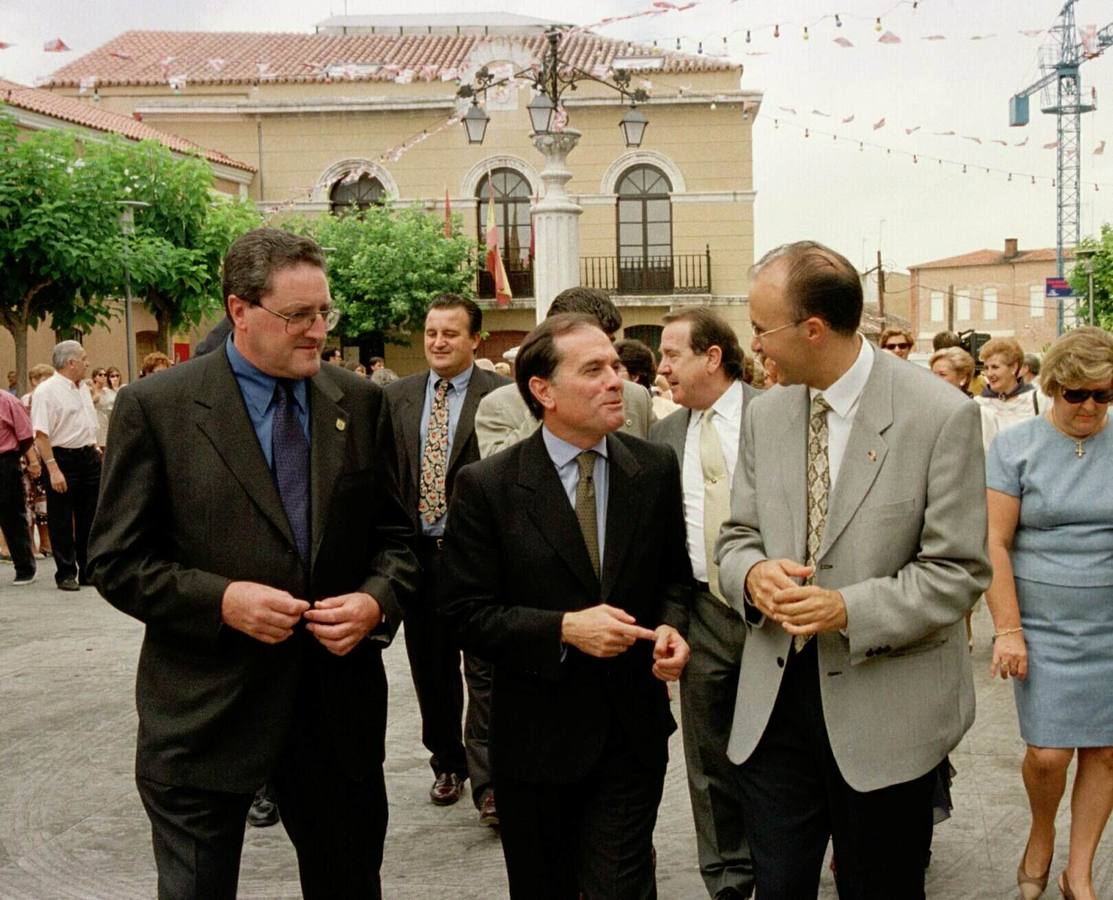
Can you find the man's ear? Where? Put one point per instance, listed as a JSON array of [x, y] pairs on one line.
[[542, 391], [237, 310], [714, 358]]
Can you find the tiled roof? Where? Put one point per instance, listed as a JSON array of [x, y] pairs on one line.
[[992, 258], [156, 57], [78, 112]]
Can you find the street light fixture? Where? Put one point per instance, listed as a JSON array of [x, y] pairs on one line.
[[541, 112], [633, 126], [475, 123]]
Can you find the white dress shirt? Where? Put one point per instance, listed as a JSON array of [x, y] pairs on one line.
[[728, 424], [64, 412], [843, 397]]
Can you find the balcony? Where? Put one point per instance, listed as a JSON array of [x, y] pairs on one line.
[[682, 273], [518, 272]]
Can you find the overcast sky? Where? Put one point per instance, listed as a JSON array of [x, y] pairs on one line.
[[814, 187]]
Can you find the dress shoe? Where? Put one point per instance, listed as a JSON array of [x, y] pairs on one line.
[[1031, 887], [488, 813], [21, 580], [447, 789], [68, 584], [1064, 886], [264, 808]]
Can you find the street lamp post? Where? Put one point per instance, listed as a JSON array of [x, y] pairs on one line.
[[556, 217], [127, 228]]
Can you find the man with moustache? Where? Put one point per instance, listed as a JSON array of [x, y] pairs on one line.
[[251, 520], [571, 578]]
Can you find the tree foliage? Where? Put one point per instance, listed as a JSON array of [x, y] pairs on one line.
[[1103, 279], [385, 266]]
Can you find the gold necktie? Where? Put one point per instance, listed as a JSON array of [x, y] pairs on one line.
[[716, 494], [819, 486], [585, 506]]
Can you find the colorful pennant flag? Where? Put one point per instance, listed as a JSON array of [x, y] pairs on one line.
[[503, 295], [55, 46]]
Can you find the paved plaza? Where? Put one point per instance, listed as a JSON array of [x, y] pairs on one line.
[[71, 824]]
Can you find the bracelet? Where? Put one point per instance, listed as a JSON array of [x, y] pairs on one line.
[[1007, 631], [47, 462]]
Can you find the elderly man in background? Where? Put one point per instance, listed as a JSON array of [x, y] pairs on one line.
[[65, 424]]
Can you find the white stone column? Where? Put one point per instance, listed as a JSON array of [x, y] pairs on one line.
[[556, 222]]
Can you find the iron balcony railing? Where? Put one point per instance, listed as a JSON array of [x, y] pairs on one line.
[[681, 273]]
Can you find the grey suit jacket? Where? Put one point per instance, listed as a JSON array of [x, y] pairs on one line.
[[905, 543], [503, 419], [673, 429]]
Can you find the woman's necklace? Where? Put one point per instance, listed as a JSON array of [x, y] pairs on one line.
[[1079, 448]]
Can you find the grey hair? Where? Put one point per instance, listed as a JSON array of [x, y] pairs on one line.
[[64, 352]]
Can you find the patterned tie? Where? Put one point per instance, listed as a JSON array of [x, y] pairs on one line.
[[585, 506], [716, 494], [290, 456], [432, 499], [819, 486]]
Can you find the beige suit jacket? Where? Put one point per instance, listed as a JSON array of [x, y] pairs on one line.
[[503, 418], [905, 543]]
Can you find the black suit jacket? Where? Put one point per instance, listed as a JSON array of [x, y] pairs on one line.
[[515, 562], [187, 505], [407, 398]]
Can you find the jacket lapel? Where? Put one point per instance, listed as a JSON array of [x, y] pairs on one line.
[[409, 418], [328, 432], [551, 512], [792, 447], [624, 503], [225, 422], [478, 388], [865, 452]]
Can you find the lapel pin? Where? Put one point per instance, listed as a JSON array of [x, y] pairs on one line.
[[871, 455], [341, 425]]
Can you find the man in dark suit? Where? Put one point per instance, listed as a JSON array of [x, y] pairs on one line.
[[565, 567], [702, 360], [250, 517], [856, 544], [434, 425]]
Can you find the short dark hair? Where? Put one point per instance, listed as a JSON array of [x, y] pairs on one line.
[[455, 301], [707, 329], [944, 339], [638, 360], [253, 258], [538, 356], [330, 353], [1030, 360], [819, 282], [590, 301]]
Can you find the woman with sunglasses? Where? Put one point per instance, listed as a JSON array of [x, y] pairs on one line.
[[898, 341], [1050, 499]]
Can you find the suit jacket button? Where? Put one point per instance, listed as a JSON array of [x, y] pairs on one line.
[[781, 661]]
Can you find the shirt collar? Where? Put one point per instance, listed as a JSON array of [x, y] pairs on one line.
[[256, 385], [844, 393], [562, 453], [459, 383], [729, 404]]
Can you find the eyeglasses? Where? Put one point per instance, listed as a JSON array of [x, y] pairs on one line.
[[760, 334], [903, 345], [1075, 396], [301, 322]]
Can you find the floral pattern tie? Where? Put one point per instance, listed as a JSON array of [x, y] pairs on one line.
[[432, 497], [819, 486]]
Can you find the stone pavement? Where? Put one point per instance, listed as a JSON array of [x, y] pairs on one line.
[[71, 824]]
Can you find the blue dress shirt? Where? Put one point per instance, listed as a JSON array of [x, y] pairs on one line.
[[257, 389], [564, 456]]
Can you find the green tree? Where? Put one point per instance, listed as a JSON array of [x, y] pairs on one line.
[[58, 234], [385, 266], [1103, 278], [180, 236]]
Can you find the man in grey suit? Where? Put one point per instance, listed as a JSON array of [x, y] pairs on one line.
[[503, 418], [702, 360], [434, 415], [856, 545]]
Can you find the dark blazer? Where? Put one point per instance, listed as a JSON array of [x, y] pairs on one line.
[[516, 562], [407, 398], [187, 505]]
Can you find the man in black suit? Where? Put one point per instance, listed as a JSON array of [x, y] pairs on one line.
[[565, 567], [434, 425], [250, 517]]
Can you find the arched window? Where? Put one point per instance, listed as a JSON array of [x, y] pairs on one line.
[[644, 230], [363, 192], [512, 215]]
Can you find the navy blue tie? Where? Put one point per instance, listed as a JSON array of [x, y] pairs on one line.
[[290, 455]]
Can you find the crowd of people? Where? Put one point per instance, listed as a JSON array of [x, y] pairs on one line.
[[796, 538]]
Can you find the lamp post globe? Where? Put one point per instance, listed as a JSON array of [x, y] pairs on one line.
[[475, 124], [541, 111], [633, 127]]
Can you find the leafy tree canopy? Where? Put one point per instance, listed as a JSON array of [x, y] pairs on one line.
[[1103, 279]]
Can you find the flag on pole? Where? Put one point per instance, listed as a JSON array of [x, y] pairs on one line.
[[503, 296], [447, 215], [55, 46]]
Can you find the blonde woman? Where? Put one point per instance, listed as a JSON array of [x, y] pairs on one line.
[[1050, 498], [955, 366]]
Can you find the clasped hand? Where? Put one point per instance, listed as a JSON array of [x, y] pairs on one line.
[[605, 631], [270, 615], [773, 588]]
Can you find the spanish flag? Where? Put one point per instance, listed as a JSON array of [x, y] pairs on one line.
[[503, 296]]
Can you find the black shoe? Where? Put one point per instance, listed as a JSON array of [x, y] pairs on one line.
[[68, 584], [264, 808], [447, 789], [488, 812]]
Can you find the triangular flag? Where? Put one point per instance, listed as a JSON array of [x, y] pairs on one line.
[[55, 46], [1023, 143], [4, 45], [848, 119], [888, 38], [880, 123], [787, 109], [1051, 146], [936, 37], [116, 54], [497, 270], [447, 215], [1099, 149], [843, 42], [912, 130], [943, 133]]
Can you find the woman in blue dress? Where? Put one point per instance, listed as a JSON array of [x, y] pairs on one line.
[[1050, 497]]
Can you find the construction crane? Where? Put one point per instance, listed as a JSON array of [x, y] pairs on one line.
[[1061, 87]]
